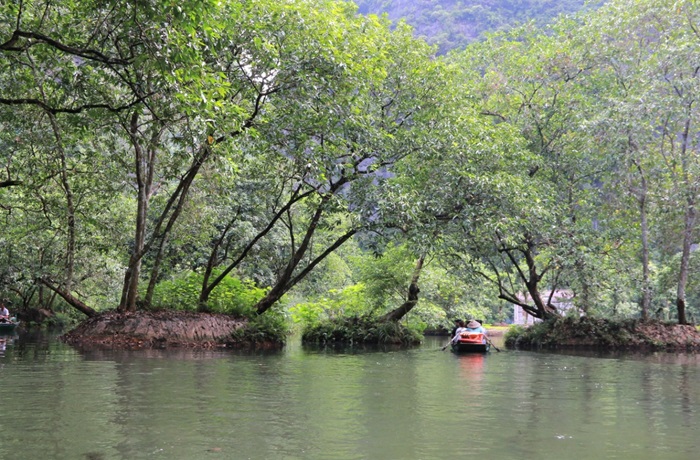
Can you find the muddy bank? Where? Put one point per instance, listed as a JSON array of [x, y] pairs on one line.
[[161, 329], [599, 333]]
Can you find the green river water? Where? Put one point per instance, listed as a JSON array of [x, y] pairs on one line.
[[302, 403]]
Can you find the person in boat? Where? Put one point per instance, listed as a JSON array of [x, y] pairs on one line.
[[459, 328], [4, 314], [473, 326], [458, 323]]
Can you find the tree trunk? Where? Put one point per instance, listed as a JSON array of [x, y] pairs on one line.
[[212, 262], [131, 277], [411, 298], [530, 278], [690, 216], [646, 277], [72, 301], [69, 265], [208, 287], [144, 159], [287, 280], [685, 261], [641, 196], [155, 272]]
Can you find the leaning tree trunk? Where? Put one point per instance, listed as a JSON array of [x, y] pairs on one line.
[[291, 275], [411, 298], [282, 285], [207, 286], [287, 281], [72, 301], [529, 276]]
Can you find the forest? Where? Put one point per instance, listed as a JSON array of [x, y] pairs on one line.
[[453, 24], [303, 161]]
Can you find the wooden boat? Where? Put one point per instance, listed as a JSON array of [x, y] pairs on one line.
[[8, 326], [471, 342]]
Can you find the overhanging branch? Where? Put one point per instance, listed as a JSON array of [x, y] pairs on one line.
[[13, 44]]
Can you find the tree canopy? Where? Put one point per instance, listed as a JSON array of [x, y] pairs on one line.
[[247, 154]]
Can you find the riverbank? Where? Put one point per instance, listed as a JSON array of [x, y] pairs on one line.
[[600, 333], [183, 329], [187, 329], [157, 329]]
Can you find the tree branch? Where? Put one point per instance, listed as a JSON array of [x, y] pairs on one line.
[[93, 55], [79, 109]]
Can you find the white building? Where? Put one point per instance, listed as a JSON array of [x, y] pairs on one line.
[[562, 300]]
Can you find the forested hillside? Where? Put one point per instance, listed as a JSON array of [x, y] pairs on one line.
[[454, 23]]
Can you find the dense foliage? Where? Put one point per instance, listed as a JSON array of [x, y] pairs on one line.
[[303, 161]]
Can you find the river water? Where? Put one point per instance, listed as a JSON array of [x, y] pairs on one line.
[[304, 403]]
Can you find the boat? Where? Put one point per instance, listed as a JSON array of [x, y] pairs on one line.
[[7, 327], [471, 342]]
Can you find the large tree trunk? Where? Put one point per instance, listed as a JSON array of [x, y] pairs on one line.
[[412, 296]]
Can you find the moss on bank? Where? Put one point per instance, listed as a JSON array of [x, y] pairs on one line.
[[360, 330], [600, 333]]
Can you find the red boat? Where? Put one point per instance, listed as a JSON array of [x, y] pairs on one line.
[[471, 342]]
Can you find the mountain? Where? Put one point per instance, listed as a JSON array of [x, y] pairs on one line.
[[454, 23]]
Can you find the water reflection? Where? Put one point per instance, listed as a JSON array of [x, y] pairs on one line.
[[336, 348], [472, 372], [661, 357], [3, 345]]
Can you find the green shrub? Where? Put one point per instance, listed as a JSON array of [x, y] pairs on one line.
[[270, 328], [360, 330], [350, 301], [513, 334], [232, 296]]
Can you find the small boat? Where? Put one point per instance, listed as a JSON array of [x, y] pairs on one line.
[[471, 342], [8, 326]]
